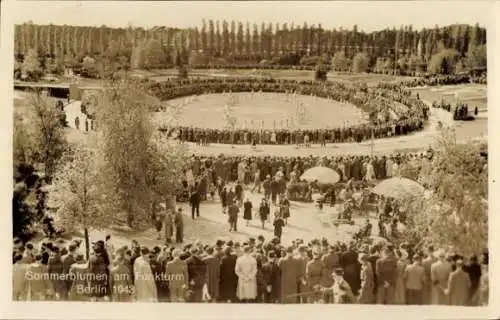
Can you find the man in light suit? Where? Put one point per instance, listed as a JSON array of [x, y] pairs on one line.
[[440, 271]]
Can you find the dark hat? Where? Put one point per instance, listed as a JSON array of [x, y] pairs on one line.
[[338, 271], [230, 243], [219, 243], [289, 249], [144, 250]]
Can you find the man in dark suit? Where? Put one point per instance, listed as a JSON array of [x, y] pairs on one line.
[[386, 273], [194, 200], [271, 279], [197, 271], [67, 261]]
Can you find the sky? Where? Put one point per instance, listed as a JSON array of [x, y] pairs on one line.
[[367, 15]]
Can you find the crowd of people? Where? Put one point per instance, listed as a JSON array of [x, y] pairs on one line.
[[443, 80], [256, 270], [392, 112], [460, 112], [206, 170]]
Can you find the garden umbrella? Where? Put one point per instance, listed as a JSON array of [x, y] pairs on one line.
[[323, 175], [399, 188]]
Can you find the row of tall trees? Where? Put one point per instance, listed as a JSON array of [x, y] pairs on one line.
[[238, 42]]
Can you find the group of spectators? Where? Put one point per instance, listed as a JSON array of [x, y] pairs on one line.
[[255, 169], [392, 112], [443, 80], [256, 270], [299, 137], [460, 112]]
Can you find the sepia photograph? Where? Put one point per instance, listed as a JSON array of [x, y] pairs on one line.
[[261, 153]]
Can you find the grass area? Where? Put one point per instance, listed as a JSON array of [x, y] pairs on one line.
[[471, 94], [265, 110]]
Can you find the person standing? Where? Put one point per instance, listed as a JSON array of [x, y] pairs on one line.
[[197, 272], [223, 199], [275, 188], [228, 279], [342, 292], [158, 270], [314, 275], [179, 226], [278, 224], [427, 263], [194, 201], [264, 211], [67, 262], [474, 271], [233, 217], [121, 284], [289, 273], [285, 209], [331, 261], [271, 279], [177, 275], [302, 259], [440, 271], [267, 187], [484, 286], [256, 181], [247, 211], [367, 280], [79, 273], [169, 226], [55, 269], [110, 248], [399, 288], [212, 262], [38, 285], [98, 268], [77, 123], [415, 279], [19, 278], [386, 272], [458, 286], [145, 287], [246, 270]]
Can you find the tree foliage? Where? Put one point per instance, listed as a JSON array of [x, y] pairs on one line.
[[40, 137], [31, 66], [137, 171], [24, 201], [75, 192], [340, 62], [456, 213], [444, 62], [235, 46], [360, 62]]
